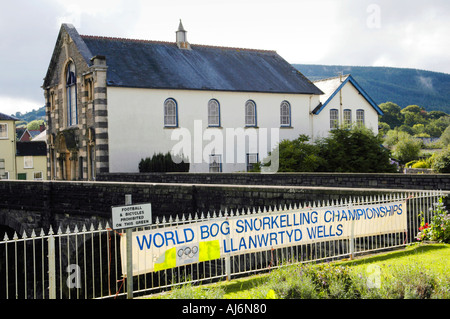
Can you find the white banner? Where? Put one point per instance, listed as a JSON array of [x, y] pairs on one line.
[[164, 248]]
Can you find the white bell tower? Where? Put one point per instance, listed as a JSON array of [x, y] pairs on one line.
[[182, 42]]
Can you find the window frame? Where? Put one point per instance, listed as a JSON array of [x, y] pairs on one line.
[[6, 131], [27, 160], [285, 116], [211, 162], [360, 120], [38, 178], [166, 115], [252, 104], [347, 121], [334, 122], [250, 165], [214, 103], [71, 94], [3, 172]]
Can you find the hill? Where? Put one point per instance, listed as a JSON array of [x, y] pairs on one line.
[[402, 86], [38, 114]]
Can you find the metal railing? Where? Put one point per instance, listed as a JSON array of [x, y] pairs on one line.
[[85, 263]]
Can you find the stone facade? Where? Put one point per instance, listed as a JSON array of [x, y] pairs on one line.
[[77, 150]]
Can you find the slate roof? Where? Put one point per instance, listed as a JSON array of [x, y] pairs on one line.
[[31, 148], [162, 65], [4, 117]]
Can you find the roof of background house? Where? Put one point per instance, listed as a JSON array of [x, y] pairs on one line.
[[38, 148], [20, 132], [5, 117], [34, 133], [331, 86], [162, 65], [42, 136]]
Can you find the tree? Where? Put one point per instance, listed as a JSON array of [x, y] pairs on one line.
[[434, 115], [441, 161], [383, 128], [394, 136], [355, 150], [392, 114], [34, 125], [445, 137], [298, 155], [413, 109], [407, 149], [436, 127]]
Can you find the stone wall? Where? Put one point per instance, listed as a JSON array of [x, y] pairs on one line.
[[347, 180], [39, 204]]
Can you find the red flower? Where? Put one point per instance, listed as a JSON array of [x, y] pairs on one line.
[[424, 227]]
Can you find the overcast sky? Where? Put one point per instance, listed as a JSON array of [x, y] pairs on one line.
[[400, 33]]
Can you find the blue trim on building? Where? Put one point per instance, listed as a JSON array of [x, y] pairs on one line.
[[360, 90]]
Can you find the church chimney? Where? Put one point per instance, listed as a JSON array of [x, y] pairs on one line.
[[182, 38]]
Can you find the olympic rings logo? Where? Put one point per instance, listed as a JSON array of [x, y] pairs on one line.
[[187, 252]]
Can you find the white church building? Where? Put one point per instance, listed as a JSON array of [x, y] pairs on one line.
[[111, 102]]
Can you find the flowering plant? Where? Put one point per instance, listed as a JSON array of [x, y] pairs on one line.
[[424, 231], [439, 227]]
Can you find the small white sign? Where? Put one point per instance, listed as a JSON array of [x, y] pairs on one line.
[[130, 216]]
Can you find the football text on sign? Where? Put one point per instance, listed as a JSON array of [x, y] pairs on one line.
[[169, 247], [130, 216]]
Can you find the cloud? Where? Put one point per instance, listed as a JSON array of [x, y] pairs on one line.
[[410, 34], [352, 32]]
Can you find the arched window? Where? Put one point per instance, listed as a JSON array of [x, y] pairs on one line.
[[285, 114], [213, 113], [334, 118], [71, 92], [360, 118], [347, 118], [250, 113], [170, 113]]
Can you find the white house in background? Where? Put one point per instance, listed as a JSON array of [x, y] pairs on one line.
[[344, 103], [111, 102]]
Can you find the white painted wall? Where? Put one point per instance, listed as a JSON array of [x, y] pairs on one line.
[[351, 99], [136, 124]]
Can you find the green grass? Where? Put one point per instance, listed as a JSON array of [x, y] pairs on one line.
[[434, 257], [418, 271]]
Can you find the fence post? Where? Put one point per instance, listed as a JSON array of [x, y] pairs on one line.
[[352, 236], [228, 267], [51, 265], [129, 233]]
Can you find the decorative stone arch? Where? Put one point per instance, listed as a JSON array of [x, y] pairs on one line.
[[65, 100], [67, 154]]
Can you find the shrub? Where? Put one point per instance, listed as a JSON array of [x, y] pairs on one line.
[[188, 291], [441, 161], [357, 150], [421, 164], [288, 283], [298, 155], [408, 282], [407, 149], [163, 163], [439, 227], [324, 281]]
